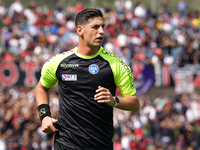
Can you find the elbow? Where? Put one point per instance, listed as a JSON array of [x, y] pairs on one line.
[[136, 107], [136, 103]]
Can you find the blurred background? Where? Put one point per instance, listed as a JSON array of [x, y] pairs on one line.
[[158, 39]]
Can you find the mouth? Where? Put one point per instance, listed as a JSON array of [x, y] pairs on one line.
[[99, 38]]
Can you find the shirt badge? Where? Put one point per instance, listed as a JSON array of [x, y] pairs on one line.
[[93, 69], [69, 77]]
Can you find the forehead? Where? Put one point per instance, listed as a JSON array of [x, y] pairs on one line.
[[96, 21]]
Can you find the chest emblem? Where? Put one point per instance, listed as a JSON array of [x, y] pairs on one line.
[[69, 77], [93, 69]]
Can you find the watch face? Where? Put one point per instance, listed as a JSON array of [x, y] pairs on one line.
[[116, 99]]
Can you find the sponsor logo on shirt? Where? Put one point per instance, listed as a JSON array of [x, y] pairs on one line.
[[69, 77], [69, 65], [93, 69]]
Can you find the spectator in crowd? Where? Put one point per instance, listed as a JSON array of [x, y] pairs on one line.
[[182, 8], [140, 11]]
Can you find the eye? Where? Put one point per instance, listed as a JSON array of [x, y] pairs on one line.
[[96, 26]]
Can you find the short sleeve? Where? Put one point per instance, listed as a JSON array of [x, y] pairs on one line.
[[123, 78], [48, 74]]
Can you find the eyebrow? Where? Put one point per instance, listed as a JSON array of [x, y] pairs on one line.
[[103, 25]]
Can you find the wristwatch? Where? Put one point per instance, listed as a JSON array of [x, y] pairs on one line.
[[116, 99]]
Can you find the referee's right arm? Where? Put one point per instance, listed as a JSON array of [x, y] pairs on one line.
[[41, 95]]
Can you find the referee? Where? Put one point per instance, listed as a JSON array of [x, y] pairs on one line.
[[87, 77]]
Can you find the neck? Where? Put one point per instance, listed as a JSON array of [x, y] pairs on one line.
[[87, 51]]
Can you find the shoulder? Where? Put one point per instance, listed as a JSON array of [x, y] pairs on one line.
[[109, 56], [53, 63], [61, 56], [115, 61]]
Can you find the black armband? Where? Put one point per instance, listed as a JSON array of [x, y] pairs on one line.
[[44, 110]]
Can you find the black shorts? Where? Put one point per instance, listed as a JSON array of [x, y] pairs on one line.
[[59, 146]]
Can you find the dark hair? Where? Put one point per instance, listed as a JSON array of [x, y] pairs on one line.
[[88, 13]]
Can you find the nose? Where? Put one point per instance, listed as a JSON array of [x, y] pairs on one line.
[[101, 30]]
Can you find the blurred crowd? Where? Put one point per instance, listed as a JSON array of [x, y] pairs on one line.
[[137, 35], [162, 123], [36, 33]]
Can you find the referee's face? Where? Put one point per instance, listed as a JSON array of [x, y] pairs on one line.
[[93, 32]]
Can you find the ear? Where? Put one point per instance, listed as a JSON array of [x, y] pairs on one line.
[[79, 30]]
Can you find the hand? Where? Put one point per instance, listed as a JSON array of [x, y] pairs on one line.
[[47, 125], [104, 96]]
